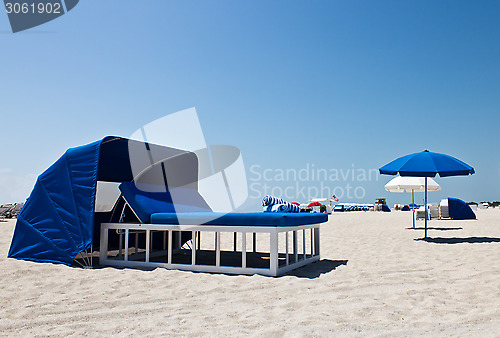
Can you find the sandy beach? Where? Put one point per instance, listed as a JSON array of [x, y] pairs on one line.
[[374, 279]]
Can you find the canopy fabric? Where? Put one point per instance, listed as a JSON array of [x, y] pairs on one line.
[[427, 164], [458, 209], [57, 221], [408, 183]]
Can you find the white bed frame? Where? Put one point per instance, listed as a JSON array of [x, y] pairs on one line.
[[291, 256]]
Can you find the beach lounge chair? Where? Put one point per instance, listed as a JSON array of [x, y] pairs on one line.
[[433, 212], [167, 234], [3, 211], [420, 213], [443, 209]]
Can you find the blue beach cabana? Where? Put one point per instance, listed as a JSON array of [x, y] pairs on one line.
[[459, 210], [59, 220], [102, 196]]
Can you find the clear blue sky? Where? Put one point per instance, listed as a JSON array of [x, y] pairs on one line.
[[334, 84]]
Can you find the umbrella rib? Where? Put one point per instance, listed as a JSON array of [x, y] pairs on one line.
[[406, 162], [436, 170]]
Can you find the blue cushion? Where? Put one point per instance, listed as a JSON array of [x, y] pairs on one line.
[[234, 219], [145, 203]]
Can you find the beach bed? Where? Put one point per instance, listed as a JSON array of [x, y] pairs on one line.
[[286, 247], [169, 239]]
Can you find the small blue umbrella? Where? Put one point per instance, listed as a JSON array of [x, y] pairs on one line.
[[427, 164]]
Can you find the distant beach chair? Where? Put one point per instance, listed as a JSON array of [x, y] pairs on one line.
[[420, 213], [444, 211], [6, 211], [433, 212], [16, 209], [3, 211]]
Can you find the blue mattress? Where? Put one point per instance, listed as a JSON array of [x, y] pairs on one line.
[[234, 219]]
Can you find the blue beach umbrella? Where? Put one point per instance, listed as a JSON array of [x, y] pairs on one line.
[[427, 164]]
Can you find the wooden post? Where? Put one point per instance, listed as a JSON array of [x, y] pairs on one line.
[[413, 207]]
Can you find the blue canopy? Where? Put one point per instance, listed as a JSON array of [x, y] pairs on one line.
[[57, 221], [427, 164], [458, 209]]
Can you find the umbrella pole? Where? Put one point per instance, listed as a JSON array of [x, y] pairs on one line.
[[413, 207], [425, 207]]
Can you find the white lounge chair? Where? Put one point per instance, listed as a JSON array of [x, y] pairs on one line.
[[433, 212], [420, 213], [444, 211]]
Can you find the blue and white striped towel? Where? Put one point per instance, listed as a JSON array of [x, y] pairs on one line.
[[274, 204], [288, 207], [271, 200]]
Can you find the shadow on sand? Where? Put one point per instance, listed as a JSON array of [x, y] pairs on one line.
[[434, 228], [311, 271], [458, 240], [316, 269]]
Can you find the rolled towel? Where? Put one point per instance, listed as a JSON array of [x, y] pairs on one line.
[[284, 207], [271, 200], [270, 208], [288, 207]]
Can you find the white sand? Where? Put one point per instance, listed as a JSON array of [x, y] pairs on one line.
[[374, 280]]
